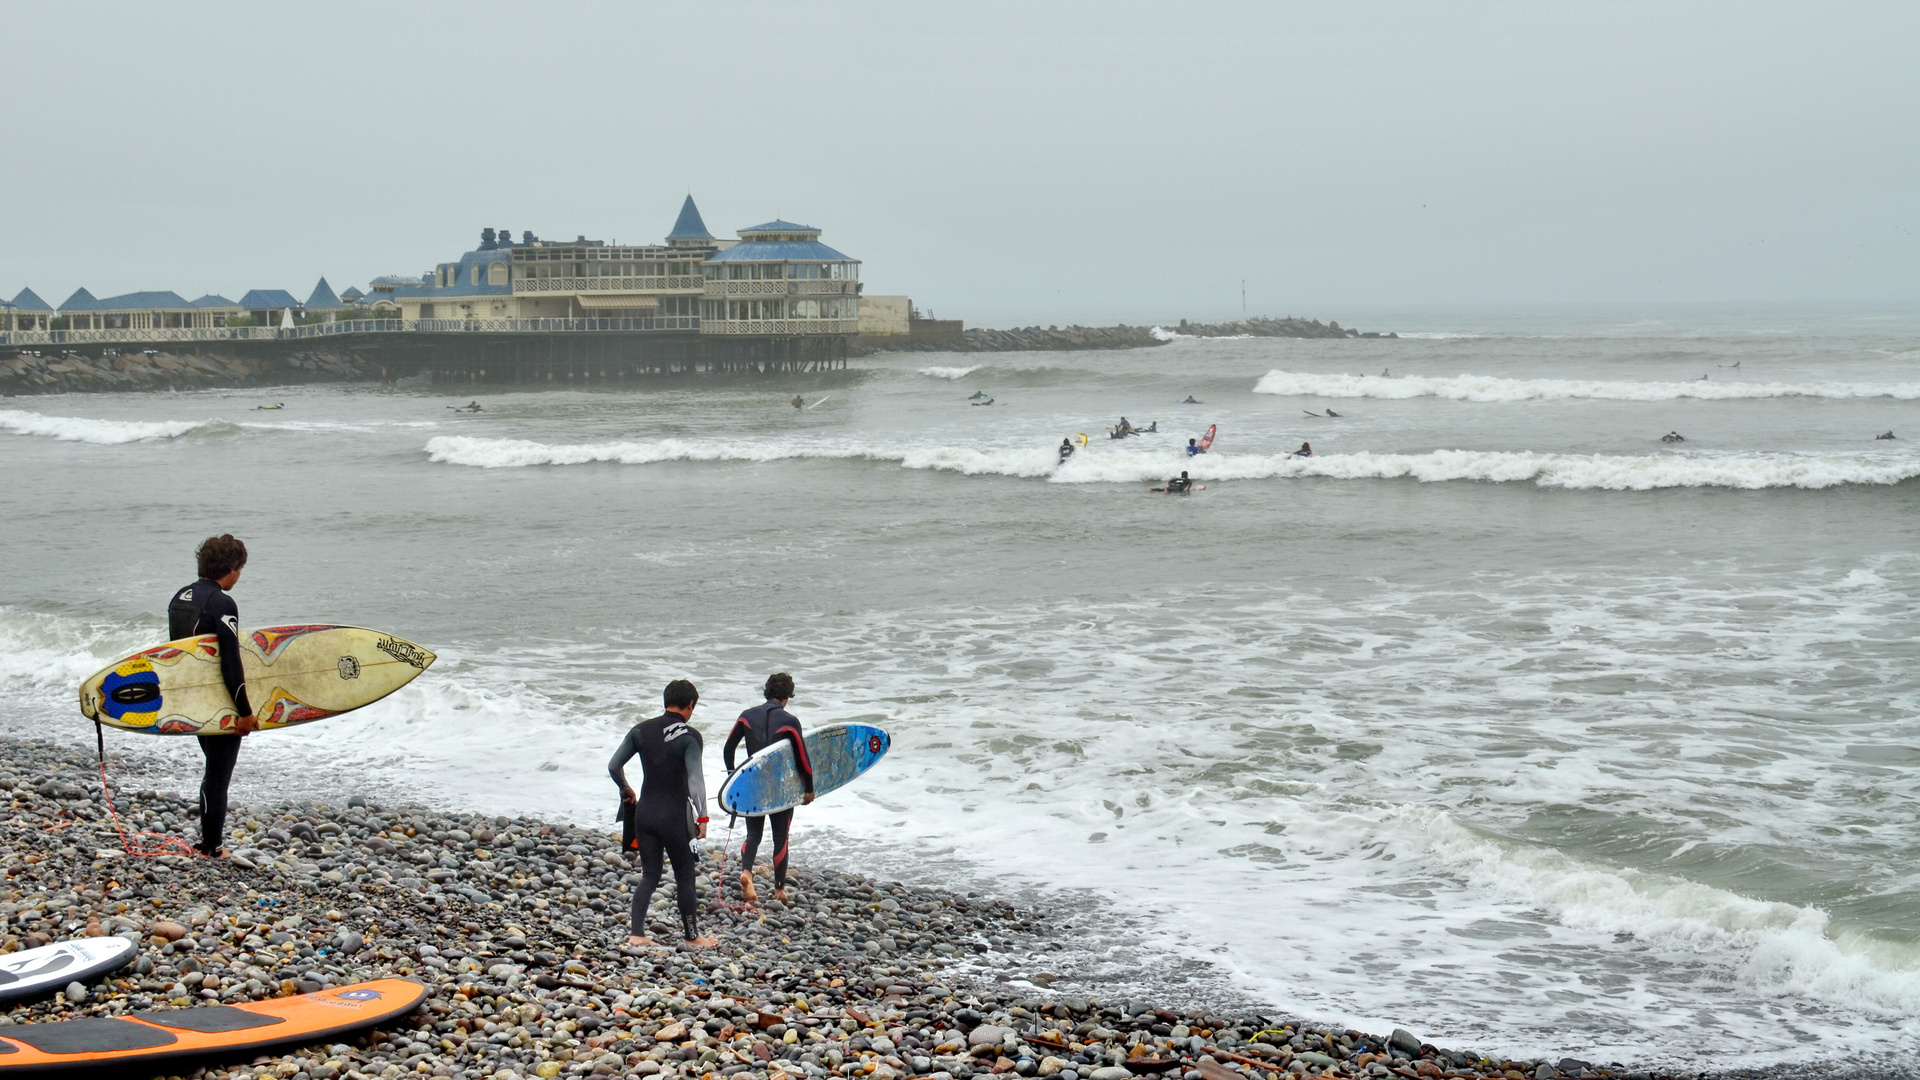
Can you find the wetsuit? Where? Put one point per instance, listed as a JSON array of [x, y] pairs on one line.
[[1193, 449], [670, 781], [205, 608], [759, 727], [1066, 450], [1178, 485]]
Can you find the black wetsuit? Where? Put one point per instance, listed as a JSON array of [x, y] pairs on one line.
[[759, 727], [670, 781], [205, 608], [1178, 485]]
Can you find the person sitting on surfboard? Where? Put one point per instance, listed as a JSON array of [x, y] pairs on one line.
[[669, 812], [760, 727], [1306, 450], [205, 608]]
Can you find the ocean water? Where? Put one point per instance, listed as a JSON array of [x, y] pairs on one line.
[[1497, 719]]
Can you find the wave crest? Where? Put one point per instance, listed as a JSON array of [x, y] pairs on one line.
[[98, 432], [949, 372], [1491, 388]]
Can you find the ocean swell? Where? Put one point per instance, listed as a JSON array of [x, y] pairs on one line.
[[99, 432], [1490, 388]]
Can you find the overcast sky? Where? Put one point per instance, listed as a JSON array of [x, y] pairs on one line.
[[1001, 163]]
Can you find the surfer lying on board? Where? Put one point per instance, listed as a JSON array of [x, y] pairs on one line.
[[760, 727], [1306, 450], [205, 608], [1673, 436], [669, 812], [1179, 485]]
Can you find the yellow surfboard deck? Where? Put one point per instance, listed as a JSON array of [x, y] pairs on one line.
[[124, 1044], [294, 675]]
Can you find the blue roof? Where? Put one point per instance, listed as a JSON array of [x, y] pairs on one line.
[[323, 296], [28, 300], [257, 299], [144, 301], [689, 226], [777, 225], [780, 251], [214, 300], [81, 300], [351, 294]]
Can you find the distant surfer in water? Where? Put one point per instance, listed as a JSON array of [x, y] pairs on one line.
[[1190, 400], [760, 727], [1066, 450], [265, 408], [798, 401], [976, 395], [977, 404], [471, 406], [1179, 485], [205, 608], [1330, 412], [1888, 434], [670, 811], [1306, 450], [1673, 436]]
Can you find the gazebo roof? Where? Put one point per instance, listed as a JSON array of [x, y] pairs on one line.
[[152, 300], [81, 300], [28, 300], [688, 225], [213, 300], [258, 299], [323, 296]]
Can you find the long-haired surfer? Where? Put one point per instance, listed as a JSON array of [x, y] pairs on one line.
[[760, 727], [669, 812], [205, 608], [1306, 450]]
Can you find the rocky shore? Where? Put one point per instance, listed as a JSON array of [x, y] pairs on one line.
[[50, 370], [517, 926], [1056, 338]]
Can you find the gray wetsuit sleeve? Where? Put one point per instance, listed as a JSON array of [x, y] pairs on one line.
[[617, 767], [690, 751]]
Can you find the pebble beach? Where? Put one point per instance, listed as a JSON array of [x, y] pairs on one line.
[[518, 927]]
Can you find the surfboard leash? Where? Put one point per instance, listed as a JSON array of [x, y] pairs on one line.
[[144, 845]]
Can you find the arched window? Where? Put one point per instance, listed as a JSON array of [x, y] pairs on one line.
[[497, 274]]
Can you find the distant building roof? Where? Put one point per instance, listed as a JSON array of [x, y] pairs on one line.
[[780, 251], [214, 300], [28, 300], [777, 225], [323, 297], [81, 300], [258, 299], [351, 294], [165, 300], [688, 225], [391, 280]]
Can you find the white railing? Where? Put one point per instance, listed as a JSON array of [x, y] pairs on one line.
[[779, 326], [336, 329], [795, 287], [676, 283]]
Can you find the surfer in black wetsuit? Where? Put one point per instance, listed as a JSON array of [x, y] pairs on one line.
[[1066, 450], [669, 812], [205, 608], [759, 727]]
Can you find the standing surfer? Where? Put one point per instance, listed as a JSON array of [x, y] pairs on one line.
[[205, 608], [760, 727], [669, 812]]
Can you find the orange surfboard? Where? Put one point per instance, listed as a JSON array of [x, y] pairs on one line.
[[98, 1042]]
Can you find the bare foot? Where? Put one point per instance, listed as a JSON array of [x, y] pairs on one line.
[[780, 895], [702, 943], [747, 891], [640, 942]]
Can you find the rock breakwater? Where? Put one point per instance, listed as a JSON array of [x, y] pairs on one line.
[[517, 927], [1057, 338], [30, 371]]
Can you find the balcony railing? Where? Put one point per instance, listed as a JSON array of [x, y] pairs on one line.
[[675, 283], [336, 329], [779, 326], [795, 287]]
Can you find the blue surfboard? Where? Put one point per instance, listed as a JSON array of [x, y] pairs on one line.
[[768, 782]]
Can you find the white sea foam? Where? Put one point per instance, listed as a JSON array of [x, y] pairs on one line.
[[101, 432], [1577, 471], [1490, 388], [949, 372]]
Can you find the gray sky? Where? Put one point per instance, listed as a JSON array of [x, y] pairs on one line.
[[1001, 163]]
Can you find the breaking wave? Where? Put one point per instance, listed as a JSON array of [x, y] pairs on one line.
[[1489, 388], [949, 372], [1573, 471], [99, 432]]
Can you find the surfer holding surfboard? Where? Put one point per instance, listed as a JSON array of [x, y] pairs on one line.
[[760, 727], [205, 608]]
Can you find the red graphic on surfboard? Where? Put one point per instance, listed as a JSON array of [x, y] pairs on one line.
[[1206, 441]]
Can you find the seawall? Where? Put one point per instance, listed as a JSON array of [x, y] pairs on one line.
[[1057, 338]]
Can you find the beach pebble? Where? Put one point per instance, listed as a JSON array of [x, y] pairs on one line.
[[76, 993]]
